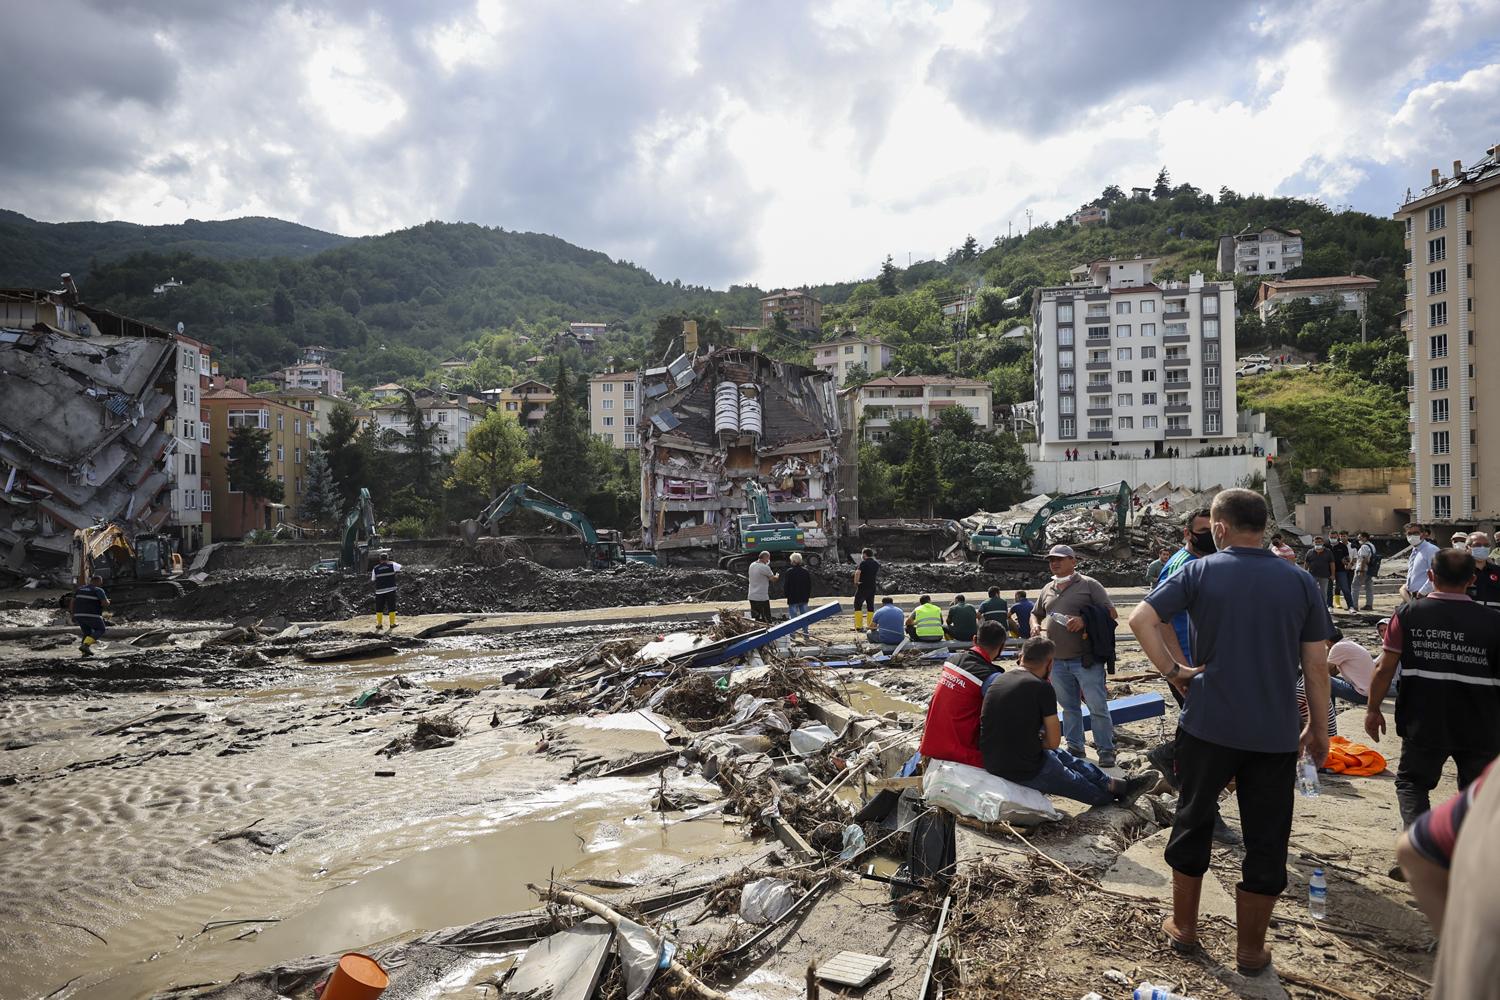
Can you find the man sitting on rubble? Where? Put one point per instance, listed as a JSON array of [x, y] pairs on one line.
[[995, 609], [890, 624], [963, 620], [951, 731], [925, 623], [1020, 737]]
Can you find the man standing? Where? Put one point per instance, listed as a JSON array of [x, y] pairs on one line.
[[1153, 571], [1448, 705], [1282, 549], [1059, 616], [89, 602], [1020, 614], [1418, 562], [925, 623], [866, 576], [759, 593], [1486, 589], [995, 609], [889, 622], [383, 576], [1019, 737], [962, 622], [1240, 719], [1366, 562], [797, 589], [1319, 562], [1342, 566], [951, 731]]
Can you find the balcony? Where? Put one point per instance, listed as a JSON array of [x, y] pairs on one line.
[[1181, 361], [1100, 411], [1179, 432], [1100, 435], [1178, 408], [1176, 384], [1098, 366], [1171, 314]]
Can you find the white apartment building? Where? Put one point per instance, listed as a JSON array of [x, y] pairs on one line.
[[1124, 363], [612, 407], [184, 459], [904, 397], [448, 420], [840, 356], [1266, 251], [313, 372]]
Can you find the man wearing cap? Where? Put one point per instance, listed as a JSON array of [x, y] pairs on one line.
[[1059, 616]]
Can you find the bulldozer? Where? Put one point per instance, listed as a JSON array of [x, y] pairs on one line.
[[145, 568]]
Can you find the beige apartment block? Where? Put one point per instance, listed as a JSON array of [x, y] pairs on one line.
[[1453, 338], [612, 407], [840, 356]]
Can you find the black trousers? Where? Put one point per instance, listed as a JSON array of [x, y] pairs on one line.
[[385, 602], [864, 599], [1265, 784], [760, 610], [1420, 768]]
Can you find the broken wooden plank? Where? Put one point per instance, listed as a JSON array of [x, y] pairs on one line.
[[932, 950], [793, 840], [853, 969]]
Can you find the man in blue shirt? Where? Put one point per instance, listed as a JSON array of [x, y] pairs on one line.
[[1020, 614], [890, 627], [1253, 618], [87, 607]]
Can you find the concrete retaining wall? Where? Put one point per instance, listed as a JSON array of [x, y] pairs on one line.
[[554, 551]]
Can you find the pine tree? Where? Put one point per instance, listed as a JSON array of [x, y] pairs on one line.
[[248, 464], [321, 502], [348, 452], [970, 249], [920, 484], [1163, 188], [562, 445], [418, 446], [887, 280]]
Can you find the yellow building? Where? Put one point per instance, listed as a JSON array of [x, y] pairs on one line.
[[234, 513]]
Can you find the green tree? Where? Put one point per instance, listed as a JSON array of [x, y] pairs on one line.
[[877, 487], [417, 446], [351, 302], [495, 456], [249, 467], [886, 283], [282, 309], [920, 484], [1163, 186], [970, 248], [348, 452], [321, 502], [562, 445], [856, 376]]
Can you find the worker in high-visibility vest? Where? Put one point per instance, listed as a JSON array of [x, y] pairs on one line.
[[925, 623]]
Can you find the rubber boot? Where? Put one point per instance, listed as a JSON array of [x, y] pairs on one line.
[[1182, 926], [393, 621], [1252, 918], [859, 621], [379, 620]]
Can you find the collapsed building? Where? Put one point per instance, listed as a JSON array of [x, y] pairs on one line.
[[713, 422], [85, 402]]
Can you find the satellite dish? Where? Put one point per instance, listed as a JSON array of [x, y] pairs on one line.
[[180, 328]]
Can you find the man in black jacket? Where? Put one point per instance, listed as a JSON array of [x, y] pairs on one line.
[[796, 585]]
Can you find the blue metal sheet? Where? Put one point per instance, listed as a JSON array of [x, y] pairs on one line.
[[1134, 708], [756, 640]]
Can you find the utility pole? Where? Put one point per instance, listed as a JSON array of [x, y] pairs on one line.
[[1028, 221]]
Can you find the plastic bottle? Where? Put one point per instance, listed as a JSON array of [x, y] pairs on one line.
[[1307, 776], [1146, 991], [1317, 895]]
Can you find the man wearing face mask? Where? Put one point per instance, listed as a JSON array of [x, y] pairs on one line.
[[1486, 588], [1365, 565], [1338, 544], [1059, 616], [1254, 620], [1319, 562], [1418, 562]]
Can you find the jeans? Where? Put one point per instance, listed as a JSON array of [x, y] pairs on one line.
[[793, 610], [1367, 582], [1264, 784], [1340, 688], [1420, 768], [1071, 680], [1072, 778], [1343, 585], [1326, 584]]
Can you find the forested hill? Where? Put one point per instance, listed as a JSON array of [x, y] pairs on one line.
[[34, 253]]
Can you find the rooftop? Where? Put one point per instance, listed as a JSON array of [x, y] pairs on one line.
[[893, 381], [1486, 171], [611, 376], [1336, 281], [852, 338]]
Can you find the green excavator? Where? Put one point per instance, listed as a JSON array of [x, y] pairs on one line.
[[360, 536], [761, 532], [994, 547], [605, 546]]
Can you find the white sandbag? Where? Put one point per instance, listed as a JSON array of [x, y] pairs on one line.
[[977, 794], [766, 899], [811, 738]]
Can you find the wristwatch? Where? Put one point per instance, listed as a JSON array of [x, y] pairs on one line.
[[1176, 669]]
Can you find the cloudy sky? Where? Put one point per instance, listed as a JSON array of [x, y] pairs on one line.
[[772, 141]]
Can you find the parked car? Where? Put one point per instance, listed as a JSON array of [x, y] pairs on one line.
[[1255, 369], [1253, 359]]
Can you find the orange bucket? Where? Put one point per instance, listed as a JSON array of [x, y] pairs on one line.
[[357, 977]]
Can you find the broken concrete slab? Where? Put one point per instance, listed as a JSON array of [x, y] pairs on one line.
[[348, 651], [1142, 871]]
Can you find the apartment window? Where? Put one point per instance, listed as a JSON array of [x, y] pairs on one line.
[[1122, 378], [280, 453], [1148, 399], [1437, 314], [630, 437], [1122, 308], [281, 421], [1212, 422], [607, 404], [1438, 378], [442, 439], [1439, 411], [1148, 306], [1437, 346], [1148, 329], [1065, 404], [1210, 352], [1149, 375], [1437, 217], [1148, 352], [630, 388], [1125, 399], [1098, 333], [189, 430], [1122, 354], [1211, 329], [1408, 226], [1442, 474], [1098, 357], [187, 394], [848, 348], [1065, 337], [1098, 424], [608, 421], [1442, 507], [1211, 399], [1437, 249], [1098, 402], [1468, 237], [190, 499], [1211, 376], [1149, 423], [1179, 423], [1122, 331], [1177, 399], [1210, 305], [1067, 427], [296, 456], [1065, 312], [1437, 281], [1065, 382], [1125, 423], [1065, 359]]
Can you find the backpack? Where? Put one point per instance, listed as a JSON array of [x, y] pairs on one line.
[[1373, 566]]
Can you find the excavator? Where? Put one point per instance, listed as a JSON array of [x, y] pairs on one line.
[[604, 545], [994, 547], [761, 532], [359, 523], [141, 569]]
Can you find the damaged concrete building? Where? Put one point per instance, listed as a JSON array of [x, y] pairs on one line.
[[86, 401], [711, 423]]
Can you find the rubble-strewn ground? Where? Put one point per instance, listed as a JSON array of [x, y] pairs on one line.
[[150, 793]]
